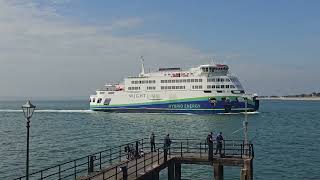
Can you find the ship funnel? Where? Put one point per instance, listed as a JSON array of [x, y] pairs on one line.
[[142, 66]]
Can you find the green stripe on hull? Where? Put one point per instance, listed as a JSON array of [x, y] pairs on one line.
[[168, 101]]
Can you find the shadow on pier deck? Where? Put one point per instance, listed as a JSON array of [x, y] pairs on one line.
[[114, 163]]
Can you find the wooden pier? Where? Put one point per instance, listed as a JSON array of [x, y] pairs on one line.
[[118, 164]]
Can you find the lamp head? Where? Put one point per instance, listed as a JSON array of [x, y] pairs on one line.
[[28, 109]]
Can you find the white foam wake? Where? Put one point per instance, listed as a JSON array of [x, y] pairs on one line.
[[50, 111]]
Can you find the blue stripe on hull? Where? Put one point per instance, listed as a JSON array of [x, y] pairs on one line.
[[194, 107]]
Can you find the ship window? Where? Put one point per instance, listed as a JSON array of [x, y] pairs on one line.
[[99, 100], [200, 80], [107, 101], [218, 86], [222, 80], [207, 91], [101, 93], [219, 91], [232, 86], [169, 87], [154, 81], [196, 80], [184, 80], [192, 80], [188, 80], [173, 81], [169, 81], [200, 87], [218, 79], [132, 82], [90, 100], [93, 100], [227, 86], [227, 79], [222, 86]]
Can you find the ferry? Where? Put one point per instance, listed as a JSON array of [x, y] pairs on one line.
[[205, 89]]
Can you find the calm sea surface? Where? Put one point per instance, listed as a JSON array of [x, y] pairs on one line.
[[285, 134]]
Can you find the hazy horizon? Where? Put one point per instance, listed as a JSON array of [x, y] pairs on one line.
[[69, 48]]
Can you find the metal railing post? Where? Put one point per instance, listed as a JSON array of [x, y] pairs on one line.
[[241, 150], [75, 169], [158, 156], [142, 144], [116, 171], [59, 172], [119, 153], [200, 149], [187, 145], [205, 146], [88, 164], [181, 148], [144, 163], [100, 159], [110, 155], [136, 167]]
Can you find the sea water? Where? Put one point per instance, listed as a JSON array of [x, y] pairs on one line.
[[285, 134]]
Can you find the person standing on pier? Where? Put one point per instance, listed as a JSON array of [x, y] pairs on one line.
[[210, 145], [152, 142], [167, 142], [219, 139]]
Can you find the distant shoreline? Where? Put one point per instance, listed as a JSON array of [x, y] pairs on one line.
[[291, 98]]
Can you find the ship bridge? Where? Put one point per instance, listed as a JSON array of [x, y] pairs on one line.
[[214, 69]]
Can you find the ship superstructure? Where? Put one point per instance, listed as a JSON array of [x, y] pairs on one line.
[[204, 89]]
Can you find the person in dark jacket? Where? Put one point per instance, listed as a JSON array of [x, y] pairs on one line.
[[219, 140], [152, 142], [167, 142]]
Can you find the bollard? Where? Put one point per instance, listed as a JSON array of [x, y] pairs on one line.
[[124, 170], [137, 149]]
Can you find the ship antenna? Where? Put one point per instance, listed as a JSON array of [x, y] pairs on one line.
[[142, 66], [212, 60]]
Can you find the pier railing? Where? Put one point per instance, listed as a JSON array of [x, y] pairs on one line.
[[113, 159], [83, 165]]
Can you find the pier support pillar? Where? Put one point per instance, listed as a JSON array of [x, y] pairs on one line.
[[177, 171], [170, 170], [155, 175], [218, 171], [247, 170]]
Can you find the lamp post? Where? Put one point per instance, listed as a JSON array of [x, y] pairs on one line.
[[28, 109]]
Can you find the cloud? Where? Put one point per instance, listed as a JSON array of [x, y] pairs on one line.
[[125, 23], [43, 53]]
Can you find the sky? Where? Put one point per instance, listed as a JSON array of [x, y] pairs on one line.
[[69, 48]]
